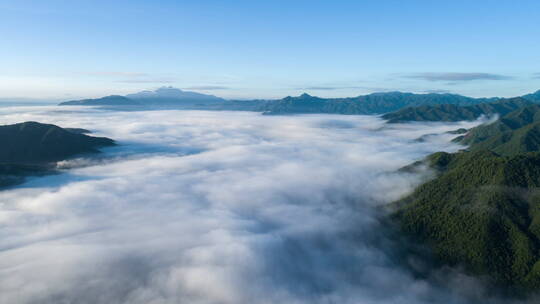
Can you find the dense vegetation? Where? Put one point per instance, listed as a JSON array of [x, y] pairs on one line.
[[454, 112], [29, 148], [514, 133], [482, 211]]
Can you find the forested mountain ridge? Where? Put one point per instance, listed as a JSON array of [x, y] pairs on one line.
[[482, 210], [515, 133], [375, 103], [453, 112]]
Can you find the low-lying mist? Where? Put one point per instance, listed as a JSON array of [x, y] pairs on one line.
[[218, 207]]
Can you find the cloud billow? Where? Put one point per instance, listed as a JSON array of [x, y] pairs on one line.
[[217, 207]]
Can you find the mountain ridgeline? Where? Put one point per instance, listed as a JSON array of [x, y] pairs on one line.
[[112, 100], [166, 96], [515, 133], [30, 148], [460, 112], [453, 112], [376, 103]]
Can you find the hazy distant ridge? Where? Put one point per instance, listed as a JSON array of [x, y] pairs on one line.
[[375, 103]]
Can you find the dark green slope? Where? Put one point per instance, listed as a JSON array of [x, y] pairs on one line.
[[482, 212], [514, 133], [453, 112], [29, 149], [32, 142]]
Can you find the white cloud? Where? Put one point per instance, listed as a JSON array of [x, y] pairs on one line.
[[215, 207]]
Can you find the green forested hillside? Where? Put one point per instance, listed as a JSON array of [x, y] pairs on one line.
[[514, 133], [453, 112], [481, 212], [375, 103]]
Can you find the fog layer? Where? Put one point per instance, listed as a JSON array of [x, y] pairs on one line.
[[217, 207]]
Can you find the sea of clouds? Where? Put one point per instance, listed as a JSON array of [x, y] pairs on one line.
[[219, 207]]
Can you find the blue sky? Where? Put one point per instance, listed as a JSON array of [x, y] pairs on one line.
[[54, 49]]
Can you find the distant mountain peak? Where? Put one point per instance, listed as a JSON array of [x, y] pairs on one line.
[[305, 95], [171, 93]]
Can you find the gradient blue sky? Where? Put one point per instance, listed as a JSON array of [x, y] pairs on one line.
[[56, 49]]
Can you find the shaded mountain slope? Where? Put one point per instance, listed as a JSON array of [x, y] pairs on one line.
[[453, 112], [32, 142], [515, 133], [31, 148]]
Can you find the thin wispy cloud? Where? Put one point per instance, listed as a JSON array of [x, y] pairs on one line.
[[207, 88], [457, 77], [342, 87], [536, 75], [328, 88], [115, 74], [147, 80], [131, 77], [437, 91]]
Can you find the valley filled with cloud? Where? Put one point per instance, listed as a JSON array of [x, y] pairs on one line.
[[221, 207]]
